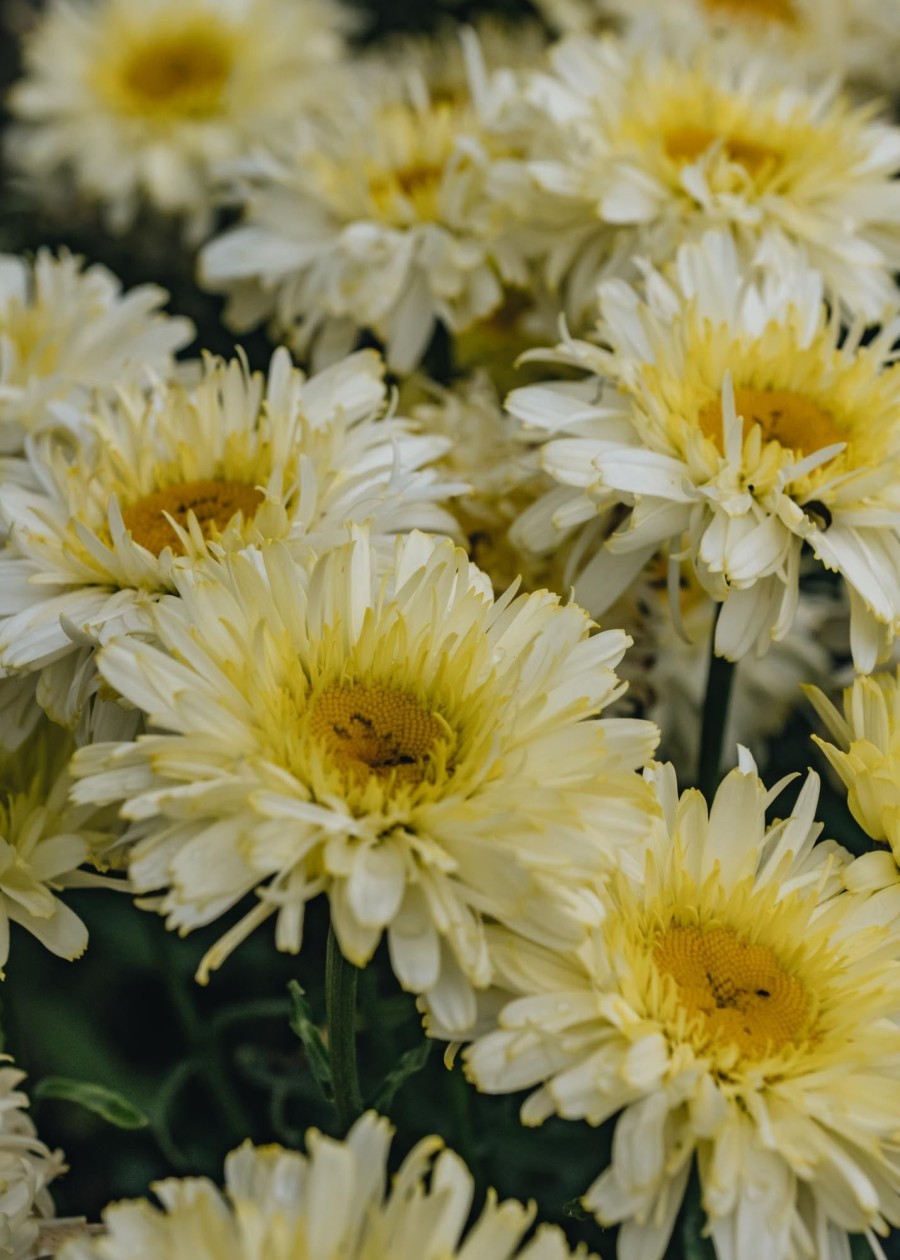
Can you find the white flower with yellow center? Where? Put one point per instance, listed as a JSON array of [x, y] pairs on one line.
[[141, 99], [866, 756], [425, 756], [738, 1010], [27, 1166], [857, 41], [382, 216], [730, 422], [232, 461], [44, 839], [654, 143], [67, 330], [335, 1203]]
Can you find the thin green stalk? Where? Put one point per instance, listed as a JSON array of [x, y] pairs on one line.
[[719, 682], [340, 1009]]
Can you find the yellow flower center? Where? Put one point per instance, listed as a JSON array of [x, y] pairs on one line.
[[417, 185], [213, 503], [381, 731], [795, 422], [686, 144], [180, 73], [783, 11], [739, 991]]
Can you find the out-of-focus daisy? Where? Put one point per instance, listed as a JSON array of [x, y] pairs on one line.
[[233, 461], [668, 665], [44, 839], [866, 756], [140, 99], [858, 41], [504, 477], [737, 1009], [407, 745], [336, 1203], [653, 143], [730, 422], [67, 330], [381, 216], [27, 1166]]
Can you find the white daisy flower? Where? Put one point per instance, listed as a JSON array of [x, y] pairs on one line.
[[652, 143], [27, 1166], [336, 1203], [67, 331], [415, 750], [138, 100], [738, 1011], [380, 216], [858, 41], [44, 839], [236, 460], [731, 422]]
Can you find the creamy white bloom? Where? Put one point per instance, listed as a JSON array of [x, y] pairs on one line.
[[650, 143], [381, 216], [335, 1203], [27, 1166], [866, 757], [138, 101], [425, 756], [738, 1010], [66, 331], [157, 478], [44, 840], [857, 40], [728, 419]]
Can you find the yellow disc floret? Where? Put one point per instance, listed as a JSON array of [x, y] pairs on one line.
[[213, 503], [180, 71], [370, 730], [795, 422], [737, 991], [783, 11]]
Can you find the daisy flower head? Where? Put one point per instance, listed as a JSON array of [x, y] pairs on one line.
[[400, 741], [866, 758], [158, 478], [67, 330], [737, 1009], [44, 839], [857, 41], [727, 419], [651, 143], [139, 100], [334, 1203], [27, 1166], [381, 216]]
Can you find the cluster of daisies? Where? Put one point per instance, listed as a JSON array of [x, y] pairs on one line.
[[334, 630]]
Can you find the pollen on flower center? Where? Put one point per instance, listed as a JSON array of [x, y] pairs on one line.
[[213, 503], [795, 422], [740, 991], [688, 143], [783, 11], [374, 730], [181, 73]]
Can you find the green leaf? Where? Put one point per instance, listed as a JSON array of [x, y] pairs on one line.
[[303, 1024], [410, 1063], [694, 1245], [103, 1102]]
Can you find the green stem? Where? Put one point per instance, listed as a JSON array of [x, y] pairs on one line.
[[340, 1009], [719, 682]]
